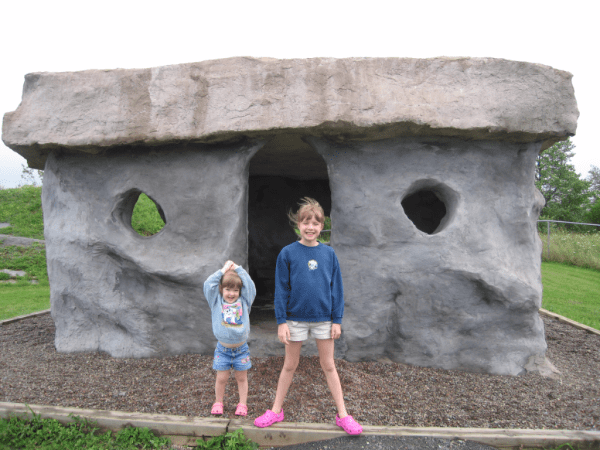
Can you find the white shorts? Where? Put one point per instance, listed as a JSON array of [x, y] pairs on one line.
[[318, 330]]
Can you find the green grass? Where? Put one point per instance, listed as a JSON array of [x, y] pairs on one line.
[[573, 292], [30, 259], [22, 208], [33, 432], [577, 249], [231, 440], [18, 299], [23, 297], [145, 218], [571, 275]]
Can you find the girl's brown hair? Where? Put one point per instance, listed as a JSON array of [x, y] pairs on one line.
[[230, 280], [308, 207]]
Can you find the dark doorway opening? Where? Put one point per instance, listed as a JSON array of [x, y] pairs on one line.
[[281, 173]]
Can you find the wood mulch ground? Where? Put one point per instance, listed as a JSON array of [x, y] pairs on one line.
[[31, 371]]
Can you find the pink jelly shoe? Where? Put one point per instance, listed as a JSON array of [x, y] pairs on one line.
[[349, 425], [217, 408], [241, 410], [268, 419]]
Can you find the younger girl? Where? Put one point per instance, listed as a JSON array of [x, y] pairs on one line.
[[308, 297], [230, 293]]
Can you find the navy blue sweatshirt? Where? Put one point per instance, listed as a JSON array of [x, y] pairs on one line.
[[308, 285]]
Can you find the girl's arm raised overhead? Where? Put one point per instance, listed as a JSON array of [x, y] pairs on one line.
[[248, 287], [211, 288]]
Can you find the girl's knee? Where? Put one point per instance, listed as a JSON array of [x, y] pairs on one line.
[[222, 377], [291, 361], [241, 375], [290, 366], [328, 365]]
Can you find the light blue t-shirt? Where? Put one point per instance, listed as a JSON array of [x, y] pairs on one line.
[[230, 321]]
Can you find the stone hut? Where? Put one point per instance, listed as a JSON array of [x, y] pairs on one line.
[[426, 167]]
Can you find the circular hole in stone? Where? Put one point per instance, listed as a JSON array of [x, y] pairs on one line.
[[425, 209], [147, 217]]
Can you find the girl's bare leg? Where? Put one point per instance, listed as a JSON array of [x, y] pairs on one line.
[[241, 377], [326, 348], [222, 378], [292, 358]]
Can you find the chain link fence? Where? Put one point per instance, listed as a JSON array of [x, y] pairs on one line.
[[563, 222]]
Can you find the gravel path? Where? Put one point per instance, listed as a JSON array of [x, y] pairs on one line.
[[31, 371]]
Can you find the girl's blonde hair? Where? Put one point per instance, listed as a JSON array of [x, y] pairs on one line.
[[308, 207]]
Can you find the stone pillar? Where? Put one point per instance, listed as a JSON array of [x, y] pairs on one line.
[[459, 285], [113, 290]]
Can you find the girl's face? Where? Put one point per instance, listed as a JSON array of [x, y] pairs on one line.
[[230, 295], [310, 228]]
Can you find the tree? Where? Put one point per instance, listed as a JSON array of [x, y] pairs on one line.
[[594, 178], [566, 195], [593, 215], [28, 176]]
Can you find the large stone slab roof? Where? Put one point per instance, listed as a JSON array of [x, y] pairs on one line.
[[343, 99]]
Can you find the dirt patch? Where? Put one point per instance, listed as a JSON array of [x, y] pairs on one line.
[[31, 371]]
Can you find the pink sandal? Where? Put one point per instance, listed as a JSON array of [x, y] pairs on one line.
[[241, 410], [217, 408], [268, 419], [349, 425]]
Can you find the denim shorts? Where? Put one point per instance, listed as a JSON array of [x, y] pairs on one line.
[[236, 358]]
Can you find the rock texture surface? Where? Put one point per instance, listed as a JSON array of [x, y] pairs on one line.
[[113, 290], [366, 98], [467, 294], [427, 167]]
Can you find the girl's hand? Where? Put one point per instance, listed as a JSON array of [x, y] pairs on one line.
[[283, 333], [226, 267], [336, 330], [229, 265]]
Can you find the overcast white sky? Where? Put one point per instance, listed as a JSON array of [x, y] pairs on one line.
[[64, 35]]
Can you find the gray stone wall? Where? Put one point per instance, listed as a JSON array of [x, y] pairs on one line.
[[464, 296], [113, 290], [456, 287]]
